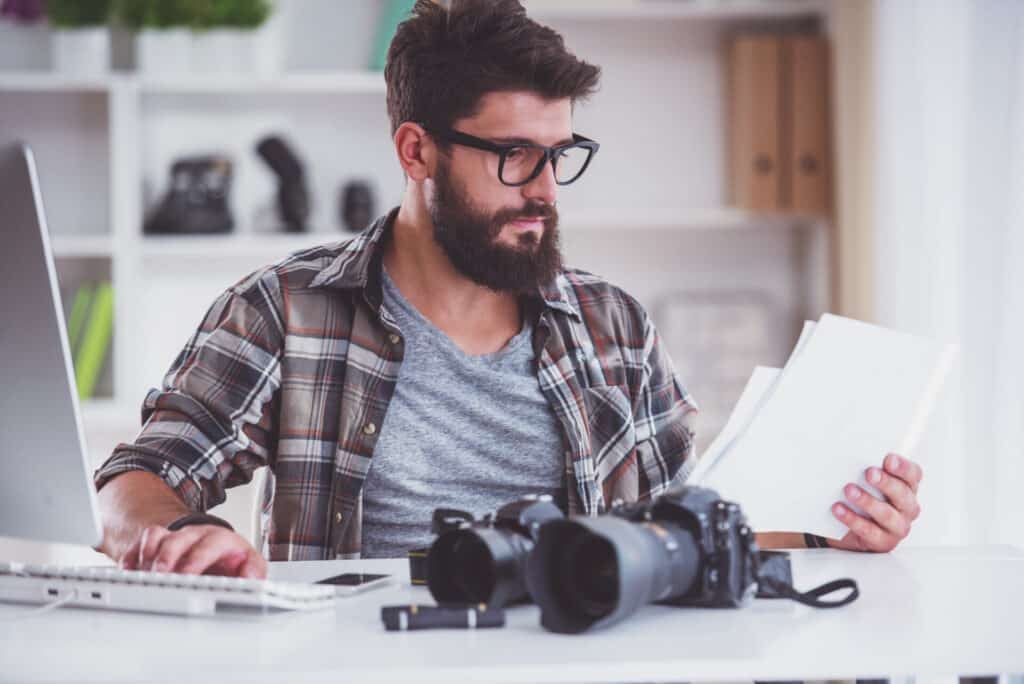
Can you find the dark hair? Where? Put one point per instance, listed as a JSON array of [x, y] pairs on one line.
[[443, 60]]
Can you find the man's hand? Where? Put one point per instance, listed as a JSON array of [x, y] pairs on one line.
[[194, 550], [888, 522]]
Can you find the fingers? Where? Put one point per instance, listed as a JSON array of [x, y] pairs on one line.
[[130, 559], [210, 553], [255, 566], [881, 513], [898, 492], [172, 547], [195, 550], [904, 469], [872, 537], [140, 554]]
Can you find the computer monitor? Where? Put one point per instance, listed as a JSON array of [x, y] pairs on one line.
[[46, 493]]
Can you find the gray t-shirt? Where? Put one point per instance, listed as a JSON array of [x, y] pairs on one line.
[[461, 431]]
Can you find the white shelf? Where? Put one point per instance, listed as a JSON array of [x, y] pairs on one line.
[[79, 246], [46, 81], [319, 82], [236, 245], [325, 82], [673, 9]]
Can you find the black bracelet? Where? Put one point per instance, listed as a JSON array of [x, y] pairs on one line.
[[813, 541], [199, 519]]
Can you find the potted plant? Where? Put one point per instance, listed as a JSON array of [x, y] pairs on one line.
[[81, 39], [226, 35], [162, 40]]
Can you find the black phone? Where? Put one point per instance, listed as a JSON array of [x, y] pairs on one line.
[[353, 582], [351, 579]]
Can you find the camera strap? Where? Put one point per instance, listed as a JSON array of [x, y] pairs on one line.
[[775, 580]]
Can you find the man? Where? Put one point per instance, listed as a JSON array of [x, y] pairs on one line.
[[442, 358]]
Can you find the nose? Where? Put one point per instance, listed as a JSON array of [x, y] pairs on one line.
[[543, 188]]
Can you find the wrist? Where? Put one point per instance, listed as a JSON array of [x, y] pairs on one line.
[[198, 519]]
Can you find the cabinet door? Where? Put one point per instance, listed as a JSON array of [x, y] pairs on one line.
[[754, 63], [806, 175]]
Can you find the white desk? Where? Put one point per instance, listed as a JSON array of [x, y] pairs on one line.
[[923, 612]]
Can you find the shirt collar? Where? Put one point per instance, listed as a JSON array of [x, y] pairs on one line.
[[359, 266]]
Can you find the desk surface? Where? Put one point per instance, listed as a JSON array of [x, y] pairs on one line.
[[922, 611]]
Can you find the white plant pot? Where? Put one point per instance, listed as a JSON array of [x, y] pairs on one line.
[[266, 46], [221, 51], [84, 51], [163, 52]]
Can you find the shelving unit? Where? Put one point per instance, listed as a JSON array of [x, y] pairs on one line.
[[651, 215], [682, 10]]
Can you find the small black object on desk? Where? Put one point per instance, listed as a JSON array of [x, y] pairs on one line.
[[410, 617]]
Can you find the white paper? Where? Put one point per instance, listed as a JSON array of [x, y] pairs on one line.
[[850, 394], [759, 384], [757, 390]]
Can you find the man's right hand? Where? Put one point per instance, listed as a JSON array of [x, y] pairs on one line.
[[136, 506], [194, 550]]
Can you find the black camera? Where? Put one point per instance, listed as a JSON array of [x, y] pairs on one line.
[[197, 201], [484, 561], [687, 547]]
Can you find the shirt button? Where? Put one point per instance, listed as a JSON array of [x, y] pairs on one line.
[[369, 429], [394, 339], [337, 518]]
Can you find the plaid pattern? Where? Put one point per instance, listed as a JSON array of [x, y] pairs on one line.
[[294, 366]]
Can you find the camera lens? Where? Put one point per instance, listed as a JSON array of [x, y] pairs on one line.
[[472, 568], [587, 575]]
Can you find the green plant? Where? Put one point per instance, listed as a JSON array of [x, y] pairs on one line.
[[240, 14], [157, 14], [70, 14], [249, 14]]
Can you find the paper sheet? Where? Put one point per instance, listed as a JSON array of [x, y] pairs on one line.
[[850, 393], [757, 387]]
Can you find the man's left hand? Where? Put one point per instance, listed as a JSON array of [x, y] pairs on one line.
[[886, 521]]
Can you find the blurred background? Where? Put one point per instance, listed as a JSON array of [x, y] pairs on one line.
[[762, 162]]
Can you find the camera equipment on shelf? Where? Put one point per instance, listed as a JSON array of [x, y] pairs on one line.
[[357, 205], [197, 201], [292, 194]]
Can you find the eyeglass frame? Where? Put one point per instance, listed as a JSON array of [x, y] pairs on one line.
[[502, 149]]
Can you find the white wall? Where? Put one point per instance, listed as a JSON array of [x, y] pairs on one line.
[[950, 101]]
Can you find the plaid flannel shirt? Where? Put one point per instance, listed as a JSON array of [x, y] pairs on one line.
[[294, 366]]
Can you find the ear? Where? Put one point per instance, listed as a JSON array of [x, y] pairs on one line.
[[416, 151]]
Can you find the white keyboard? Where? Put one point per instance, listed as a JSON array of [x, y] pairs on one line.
[[153, 592]]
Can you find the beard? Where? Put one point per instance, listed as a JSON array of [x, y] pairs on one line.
[[469, 237]]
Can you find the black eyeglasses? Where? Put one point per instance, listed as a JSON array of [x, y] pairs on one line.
[[520, 163]]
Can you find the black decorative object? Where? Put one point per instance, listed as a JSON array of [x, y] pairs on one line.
[[357, 205], [197, 201], [292, 194]]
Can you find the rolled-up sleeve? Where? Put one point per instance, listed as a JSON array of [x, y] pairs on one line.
[[664, 416], [214, 421]]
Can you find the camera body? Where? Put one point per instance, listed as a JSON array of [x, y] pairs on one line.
[[728, 550]]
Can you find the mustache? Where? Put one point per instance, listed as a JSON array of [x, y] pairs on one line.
[[530, 210]]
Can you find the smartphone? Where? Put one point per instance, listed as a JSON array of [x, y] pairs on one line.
[[356, 582]]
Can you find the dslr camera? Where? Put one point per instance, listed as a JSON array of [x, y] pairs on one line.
[[484, 561], [687, 547]]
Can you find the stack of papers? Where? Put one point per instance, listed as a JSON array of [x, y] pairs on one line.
[[849, 394]]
